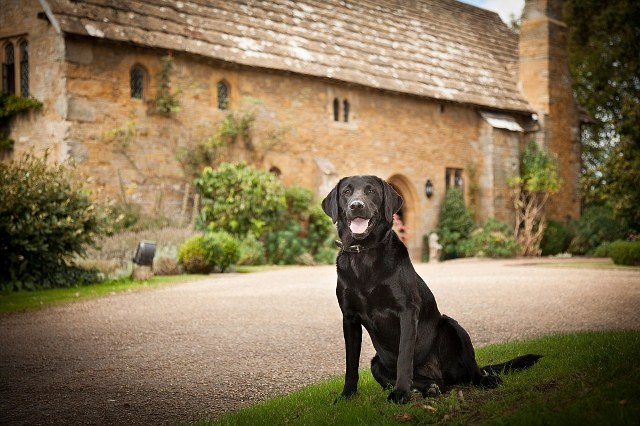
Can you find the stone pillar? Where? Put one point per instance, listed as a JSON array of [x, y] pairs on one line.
[[546, 83]]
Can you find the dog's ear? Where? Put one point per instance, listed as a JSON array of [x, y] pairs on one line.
[[392, 201], [330, 203]]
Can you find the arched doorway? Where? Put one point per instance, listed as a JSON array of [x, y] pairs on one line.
[[408, 213]]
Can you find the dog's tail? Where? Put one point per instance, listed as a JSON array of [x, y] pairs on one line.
[[516, 364]]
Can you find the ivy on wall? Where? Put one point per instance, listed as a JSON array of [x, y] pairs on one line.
[[10, 106]]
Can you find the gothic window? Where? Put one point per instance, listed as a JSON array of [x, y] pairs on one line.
[[223, 95], [336, 109], [8, 70], [345, 110], [453, 179], [24, 68], [137, 81]]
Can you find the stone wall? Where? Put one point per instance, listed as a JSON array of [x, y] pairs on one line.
[[128, 153]]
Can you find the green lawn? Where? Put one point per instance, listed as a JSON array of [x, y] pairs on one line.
[[583, 379], [30, 300]]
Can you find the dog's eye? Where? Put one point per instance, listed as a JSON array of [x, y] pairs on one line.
[[346, 191], [371, 191]]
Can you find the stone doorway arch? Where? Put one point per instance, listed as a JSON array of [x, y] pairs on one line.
[[408, 212]]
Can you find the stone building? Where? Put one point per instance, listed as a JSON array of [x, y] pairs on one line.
[[421, 92]]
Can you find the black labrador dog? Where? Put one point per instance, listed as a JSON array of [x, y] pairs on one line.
[[378, 288]]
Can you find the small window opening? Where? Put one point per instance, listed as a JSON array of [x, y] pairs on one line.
[[24, 68], [453, 179], [8, 70], [336, 110], [275, 171], [137, 82], [223, 95], [345, 110]]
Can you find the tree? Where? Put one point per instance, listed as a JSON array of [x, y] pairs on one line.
[[529, 192], [604, 56]]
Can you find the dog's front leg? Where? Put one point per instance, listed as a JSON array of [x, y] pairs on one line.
[[408, 330], [352, 329]]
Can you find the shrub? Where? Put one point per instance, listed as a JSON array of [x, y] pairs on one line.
[[455, 225], [221, 249], [165, 265], [602, 250], [239, 199], [285, 247], [494, 239], [321, 236], [596, 225], [252, 251], [193, 256], [298, 200], [625, 252], [556, 239], [45, 220]]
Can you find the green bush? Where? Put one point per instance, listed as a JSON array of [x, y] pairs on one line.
[[285, 246], [298, 199], [222, 250], [494, 239], [45, 221], [239, 199], [625, 252], [321, 236], [596, 225], [455, 225], [556, 239], [602, 250], [252, 251], [193, 256], [202, 254]]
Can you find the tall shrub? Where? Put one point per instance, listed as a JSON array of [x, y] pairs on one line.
[[596, 226], [45, 220], [455, 224], [529, 192], [239, 199]]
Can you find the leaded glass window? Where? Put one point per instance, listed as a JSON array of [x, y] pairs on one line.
[[8, 70], [223, 95], [136, 78], [24, 68]]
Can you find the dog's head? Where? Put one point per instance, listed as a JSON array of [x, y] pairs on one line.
[[362, 203]]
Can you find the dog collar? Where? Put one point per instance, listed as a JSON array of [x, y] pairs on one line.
[[357, 248]]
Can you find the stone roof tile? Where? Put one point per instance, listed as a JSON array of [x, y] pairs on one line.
[[441, 49]]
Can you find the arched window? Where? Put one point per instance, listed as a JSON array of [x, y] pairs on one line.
[[336, 109], [223, 95], [24, 68], [136, 78], [8, 70], [345, 110]]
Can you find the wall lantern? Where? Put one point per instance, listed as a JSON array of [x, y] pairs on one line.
[[428, 188], [144, 253]]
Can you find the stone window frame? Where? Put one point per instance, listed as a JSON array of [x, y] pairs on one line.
[[142, 87], [223, 97]]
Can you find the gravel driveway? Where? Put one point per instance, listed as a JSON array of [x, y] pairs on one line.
[[202, 348]]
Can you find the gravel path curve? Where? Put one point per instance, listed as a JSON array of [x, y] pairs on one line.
[[184, 351]]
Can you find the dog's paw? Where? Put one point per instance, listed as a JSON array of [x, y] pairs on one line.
[[346, 394], [432, 390], [490, 382], [399, 396]]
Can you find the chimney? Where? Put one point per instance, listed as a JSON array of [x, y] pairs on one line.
[[546, 83]]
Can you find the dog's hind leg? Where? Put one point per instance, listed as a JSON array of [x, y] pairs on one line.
[[428, 378], [383, 376]]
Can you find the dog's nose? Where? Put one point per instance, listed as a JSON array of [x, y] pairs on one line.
[[356, 205]]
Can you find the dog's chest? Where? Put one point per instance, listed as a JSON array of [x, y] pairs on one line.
[[371, 304]]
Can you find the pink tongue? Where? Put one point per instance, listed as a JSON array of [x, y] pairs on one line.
[[359, 225]]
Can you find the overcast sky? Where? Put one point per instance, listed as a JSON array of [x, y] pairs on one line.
[[503, 7]]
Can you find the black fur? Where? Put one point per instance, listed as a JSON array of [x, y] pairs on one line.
[[378, 288]]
